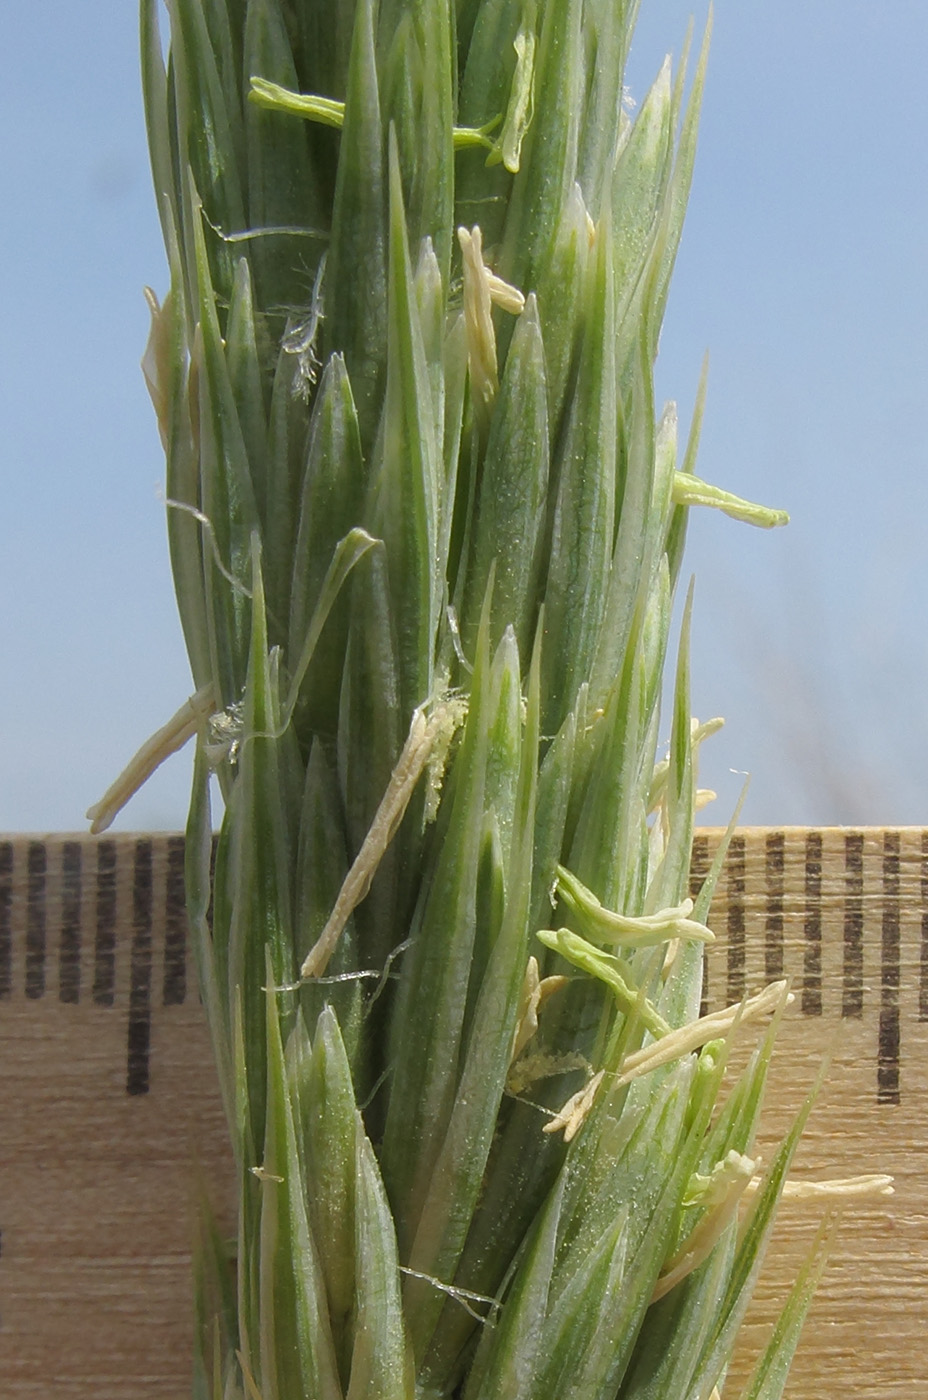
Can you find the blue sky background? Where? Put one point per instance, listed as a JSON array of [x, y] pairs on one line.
[[804, 272]]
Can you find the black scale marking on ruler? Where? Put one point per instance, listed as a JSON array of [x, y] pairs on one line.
[[852, 982], [140, 972], [69, 955], [6, 918], [78, 889], [890, 975], [812, 927], [35, 921], [174, 989], [737, 951], [104, 944], [852, 976], [89, 899], [773, 925], [699, 869]]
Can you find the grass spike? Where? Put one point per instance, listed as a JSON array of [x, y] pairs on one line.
[[426, 527]]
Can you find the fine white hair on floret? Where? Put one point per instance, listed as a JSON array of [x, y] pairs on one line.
[[300, 336]]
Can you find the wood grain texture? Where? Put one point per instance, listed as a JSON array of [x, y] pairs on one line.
[[110, 1121]]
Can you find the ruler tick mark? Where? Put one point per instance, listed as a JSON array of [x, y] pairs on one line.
[[36, 862], [69, 946], [174, 988], [104, 946], [773, 928], [852, 999], [812, 927], [737, 970], [6, 918], [699, 869], [139, 1035], [889, 1032]]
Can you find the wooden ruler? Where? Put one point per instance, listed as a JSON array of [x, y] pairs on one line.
[[109, 1113]]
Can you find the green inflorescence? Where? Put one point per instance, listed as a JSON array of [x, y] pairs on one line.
[[426, 529]]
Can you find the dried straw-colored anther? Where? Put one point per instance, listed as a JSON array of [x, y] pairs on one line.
[[535, 991], [172, 736], [431, 728], [575, 1111]]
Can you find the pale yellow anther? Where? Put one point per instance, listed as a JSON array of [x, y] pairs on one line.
[[699, 730], [678, 1043], [478, 319], [725, 1189], [518, 117], [482, 288], [837, 1189], [575, 1110], [264, 1175], [535, 991], [504, 294]]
